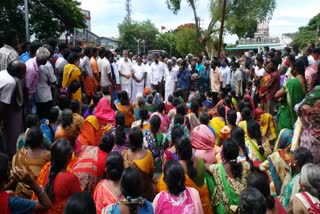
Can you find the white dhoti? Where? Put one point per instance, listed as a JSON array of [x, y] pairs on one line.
[[167, 93], [127, 88], [136, 89]]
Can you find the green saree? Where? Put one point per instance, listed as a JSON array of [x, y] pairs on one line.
[[286, 114]]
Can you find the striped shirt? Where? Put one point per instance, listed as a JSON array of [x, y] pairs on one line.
[[7, 55]]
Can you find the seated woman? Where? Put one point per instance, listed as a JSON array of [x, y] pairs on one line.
[[60, 184], [143, 120], [80, 203], [252, 202], [121, 133], [66, 129], [12, 204], [108, 191], [217, 123], [267, 124], [131, 186], [136, 156], [126, 108], [140, 104], [171, 152], [104, 112], [49, 126], [203, 142], [77, 120], [307, 201], [155, 141], [169, 105], [192, 118], [32, 158], [178, 198], [237, 134], [90, 166], [149, 106], [230, 178], [165, 121], [246, 115], [260, 182], [194, 168], [92, 108]]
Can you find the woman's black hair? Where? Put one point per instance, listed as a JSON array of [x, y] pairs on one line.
[[176, 101], [259, 181], [176, 133], [178, 119], [181, 109], [144, 115], [81, 203], [160, 107], [252, 202], [135, 139], [230, 152], [124, 98], [53, 115], [114, 166], [63, 102], [141, 102], [227, 102], [66, 118], [149, 99], [72, 58], [221, 111], [74, 86], [238, 135], [254, 132], [204, 118], [170, 98], [120, 134], [240, 106], [107, 142], [96, 99], [155, 123], [232, 117], [75, 106], [32, 120], [174, 177], [34, 137], [184, 151], [195, 106], [246, 113], [303, 156], [61, 152]]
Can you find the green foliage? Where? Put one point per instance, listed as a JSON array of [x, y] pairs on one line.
[[163, 43], [47, 18], [308, 33], [187, 41], [140, 30]]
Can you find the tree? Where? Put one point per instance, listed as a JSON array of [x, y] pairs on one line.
[[47, 18], [167, 41], [129, 31], [241, 16], [186, 38], [308, 33]]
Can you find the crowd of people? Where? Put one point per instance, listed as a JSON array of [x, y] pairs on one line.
[[83, 130]]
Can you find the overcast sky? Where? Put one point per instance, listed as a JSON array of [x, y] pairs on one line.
[[107, 14]]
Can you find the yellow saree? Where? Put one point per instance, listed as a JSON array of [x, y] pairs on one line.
[[70, 73]]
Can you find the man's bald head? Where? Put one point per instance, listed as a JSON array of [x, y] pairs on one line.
[[17, 69]]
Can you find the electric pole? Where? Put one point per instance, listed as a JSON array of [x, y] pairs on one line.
[[128, 9], [26, 17], [222, 26]]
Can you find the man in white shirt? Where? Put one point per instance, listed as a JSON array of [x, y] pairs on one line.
[[170, 78], [236, 79], [148, 63], [259, 70], [226, 76], [105, 70], [125, 71], [89, 82], [139, 74], [157, 75]]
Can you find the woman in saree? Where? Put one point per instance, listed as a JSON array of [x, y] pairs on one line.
[[32, 158], [308, 200], [194, 169], [178, 198], [143, 120], [171, 152], [126, 108], [217, 123], [121, 133], [108, 191], [230, 178], [267, 124], [309, 115], [293, 93], [72, 72], [156, 142], [300, 157], [192, 117], [66, 129], [104, 113], [90, 165], [165, 121], [136, 156]]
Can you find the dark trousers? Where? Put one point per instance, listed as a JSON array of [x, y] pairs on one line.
[[43, 109], [185, 94]]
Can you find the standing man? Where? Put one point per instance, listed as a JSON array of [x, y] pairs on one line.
[[184, 80], [170, 79], [125, 71], [157, 75], [236, 78], [94, 64], [148, 63], [8, 52], [116, 86], [226, 76], [89, 82], [139, 74], [215, 81]]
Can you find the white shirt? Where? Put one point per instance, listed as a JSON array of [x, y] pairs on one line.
[[259, 72], [43, 89], [157, 72], [125, 68], [226, 76], [85, 64], [171, 78], [148, 77], [7, 87], [235, 77], [138, 71], [104, 69], [116, 72]]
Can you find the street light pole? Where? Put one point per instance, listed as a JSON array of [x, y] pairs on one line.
[[138, 44], [144, 46], [221, 27], [26, 17]]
